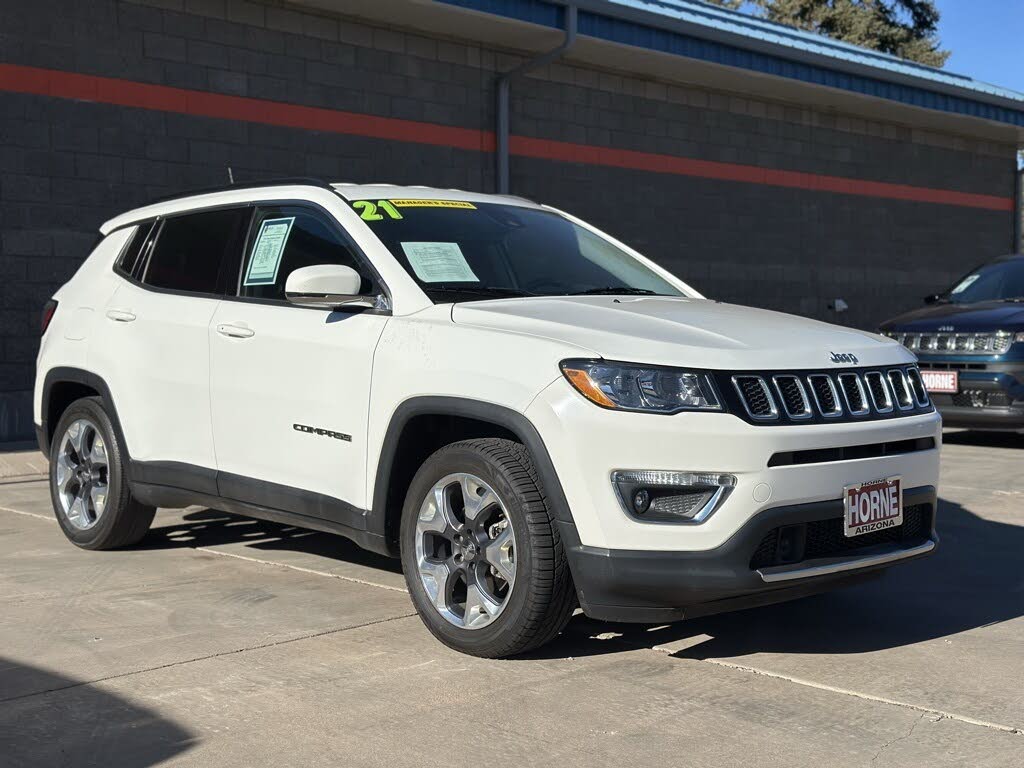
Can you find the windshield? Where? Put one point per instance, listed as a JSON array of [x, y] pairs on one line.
[[461, 251], [999, 281]]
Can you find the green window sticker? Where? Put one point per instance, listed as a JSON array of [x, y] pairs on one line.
[[266, 253]]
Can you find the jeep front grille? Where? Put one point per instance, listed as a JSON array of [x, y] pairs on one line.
[[901, 389], [756, 397], [826, 396], [917, 387], [854, 396], [880, 395], [792, 397], [818, 539]]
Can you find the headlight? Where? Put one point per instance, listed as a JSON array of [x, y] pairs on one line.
[[629, 387], [1019, 337]]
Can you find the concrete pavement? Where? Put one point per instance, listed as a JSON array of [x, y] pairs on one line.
[[233, 642]]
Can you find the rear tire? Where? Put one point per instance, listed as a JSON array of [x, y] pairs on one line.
[[88, 486], [482, 557]]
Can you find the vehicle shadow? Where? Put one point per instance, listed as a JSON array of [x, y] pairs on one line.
[[82, 725], [210, 528], [973, 580]]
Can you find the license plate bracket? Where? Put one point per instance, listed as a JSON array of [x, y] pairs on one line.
[[872, 506]]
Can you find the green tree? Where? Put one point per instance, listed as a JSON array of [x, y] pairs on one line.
[[904, 28]]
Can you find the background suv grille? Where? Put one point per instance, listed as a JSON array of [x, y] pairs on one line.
[[789, 397], [963, 343]]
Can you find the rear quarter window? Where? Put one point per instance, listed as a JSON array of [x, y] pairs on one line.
[[132, 255]]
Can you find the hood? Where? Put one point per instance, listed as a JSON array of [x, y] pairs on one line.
[[697, 333], [983, 316]]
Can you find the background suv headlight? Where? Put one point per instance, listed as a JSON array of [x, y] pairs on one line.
[[633, 387]]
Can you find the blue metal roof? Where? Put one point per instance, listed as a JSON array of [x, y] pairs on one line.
[[718, 35]]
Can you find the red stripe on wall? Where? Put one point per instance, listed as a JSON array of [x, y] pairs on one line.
[[751, 174], [126, 93]]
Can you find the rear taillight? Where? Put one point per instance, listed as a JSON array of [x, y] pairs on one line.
[[48, 310]]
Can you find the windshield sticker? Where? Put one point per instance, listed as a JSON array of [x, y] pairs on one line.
[[266, 253], [966, 283], [433, 204], [439, 263], [368, 210]]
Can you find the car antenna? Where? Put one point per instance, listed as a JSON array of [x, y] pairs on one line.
[[231, 177]]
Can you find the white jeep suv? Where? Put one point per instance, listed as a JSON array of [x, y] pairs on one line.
[[529, 413]]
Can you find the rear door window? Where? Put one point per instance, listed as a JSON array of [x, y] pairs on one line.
[[197, 252], [286, 238]]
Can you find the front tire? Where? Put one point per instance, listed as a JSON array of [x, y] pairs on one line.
[[88, 485], [481, 554]]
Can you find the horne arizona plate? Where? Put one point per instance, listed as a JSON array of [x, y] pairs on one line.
[[873, 506], [941, 381]]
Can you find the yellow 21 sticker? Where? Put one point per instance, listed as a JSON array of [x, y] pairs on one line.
[[376, 211], [368, 210]]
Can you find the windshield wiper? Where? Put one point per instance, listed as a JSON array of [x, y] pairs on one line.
[[614, 291], [482, 290]]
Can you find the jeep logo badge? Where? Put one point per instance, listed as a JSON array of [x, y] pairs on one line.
[[843, 357]]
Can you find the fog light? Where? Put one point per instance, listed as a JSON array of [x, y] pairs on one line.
[[641, 500], [671, 497]]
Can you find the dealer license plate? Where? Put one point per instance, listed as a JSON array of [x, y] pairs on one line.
[[941, 381], [873, 506]]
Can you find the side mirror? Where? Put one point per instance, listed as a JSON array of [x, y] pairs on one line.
[[931, 299], [328, 286]]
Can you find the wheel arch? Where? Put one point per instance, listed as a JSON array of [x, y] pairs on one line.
[[404, 449], [61, 387]]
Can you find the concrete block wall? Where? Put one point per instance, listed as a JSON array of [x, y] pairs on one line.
[[66, 165]]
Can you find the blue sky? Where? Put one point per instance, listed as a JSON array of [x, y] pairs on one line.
[[986, 38]]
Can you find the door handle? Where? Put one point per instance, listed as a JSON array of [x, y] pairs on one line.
[[235, 331], [120, 315]]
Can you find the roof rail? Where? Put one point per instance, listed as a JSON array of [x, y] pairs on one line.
[[286, 181]]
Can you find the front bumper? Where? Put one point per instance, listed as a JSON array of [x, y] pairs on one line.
[[652, 586], [587, 444], [990, 397], [995, 419]]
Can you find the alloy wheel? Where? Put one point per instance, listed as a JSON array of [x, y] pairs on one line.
[[81, 474], [465, 551]]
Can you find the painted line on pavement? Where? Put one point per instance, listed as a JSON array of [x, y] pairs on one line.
[[940, 714], [300, 569], [257, 560]]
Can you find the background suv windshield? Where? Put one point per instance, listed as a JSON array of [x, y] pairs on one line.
[[999, 281], [459, 251]]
